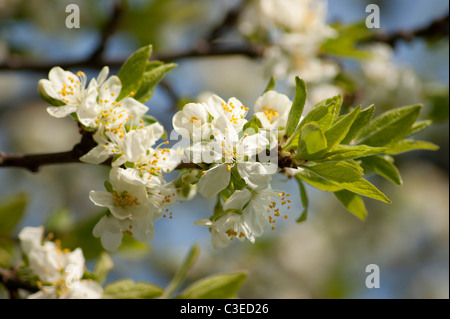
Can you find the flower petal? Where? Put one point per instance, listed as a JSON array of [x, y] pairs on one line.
[[214, 180]]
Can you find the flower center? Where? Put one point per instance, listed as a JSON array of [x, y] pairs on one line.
[[269, 113], [124, 199]]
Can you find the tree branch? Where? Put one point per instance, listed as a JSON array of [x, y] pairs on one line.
[[229, 21], [435, 30], [9, 278], [107, 31], [202, 50]]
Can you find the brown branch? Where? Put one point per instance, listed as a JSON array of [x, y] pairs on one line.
[[203, 50], [437, 29], [12, 283], [108, 30], [229, 21]]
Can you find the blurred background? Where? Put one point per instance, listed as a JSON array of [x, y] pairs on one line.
[[325, 257]]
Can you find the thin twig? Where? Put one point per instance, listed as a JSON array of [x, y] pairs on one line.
[[12, 283], [437, 29], [108, 30], [229, 21], [16, 64]]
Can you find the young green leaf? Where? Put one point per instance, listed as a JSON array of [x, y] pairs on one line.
[[418, 126], [318, 182], [348, 152], [132, 71], [271, 85], [304, 198], [346, 43], [252, 126], [128, 289], [178, 278], [362, 119], [11, 212], [102, 267], [150, 79], [347, 176], [390, 127], [322, 114], [219, 286], [339, 129], [297, 106], [353, 203], [408, 145], [383, 167], [311, 143]]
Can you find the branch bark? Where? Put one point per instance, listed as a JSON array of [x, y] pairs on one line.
[[12, 283], [437, 29]]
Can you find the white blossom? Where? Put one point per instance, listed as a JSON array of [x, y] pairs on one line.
[[247, 213], [59, 270], [272, 110]]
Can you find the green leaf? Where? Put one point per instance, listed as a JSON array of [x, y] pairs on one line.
[[353, 203], [408, 145], [347, 176], [304, 198], [150, 79], [318, 182], [128, 289], [322, 114], [132, 71], [11, 212], [271, 85], [362, 119], [312, 142], [383, 167], [182, 271], [345, 44], [61, 219], [102, 267], [339, 130], [390, 127], [7, 246], [219, 286], [252, 126], [418, 126], [348, 152], [108, 186], [297, 106]]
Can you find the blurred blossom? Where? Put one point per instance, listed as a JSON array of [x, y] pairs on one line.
[[399, 84]]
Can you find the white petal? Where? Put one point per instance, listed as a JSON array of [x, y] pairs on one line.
[[213, 181], [203, 222], [143, 229], [255, 174], [58, 77], [214, 106], [238, 199], [137, 109], [97, 155], [111, 241], [110, 89], [101, 198], [85, 289], [30, 238], [61, 111], [49, 293], [252, 145], [102, 75], [46, 87]]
